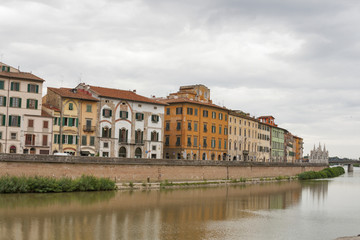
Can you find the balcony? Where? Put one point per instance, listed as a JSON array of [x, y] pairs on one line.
[[88, 128]]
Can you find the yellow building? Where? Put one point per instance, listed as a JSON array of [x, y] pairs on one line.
[[75, 117], [195, 128]]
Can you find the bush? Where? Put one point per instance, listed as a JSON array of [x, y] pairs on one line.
[[325, 173], [39, 184]]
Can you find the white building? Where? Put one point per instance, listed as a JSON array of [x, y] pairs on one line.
[[129, 125], [20, 96], [319, 155]]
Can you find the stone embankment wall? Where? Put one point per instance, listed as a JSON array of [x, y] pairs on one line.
[[142, 169]]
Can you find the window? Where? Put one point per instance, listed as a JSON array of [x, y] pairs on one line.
[[213, 143], [13, 136], [225, 144], [107, 113], [106, 145], [92, 141], [178, 142], [14, 121], [15, 86], [155, 118], [31, 104], [189, 126], [195, 141], [139, 116], [2, 119], [122, 152], [167, 126], [189, 141], [195, 111], [83, 140], [0, 135], [2, 84], [71, 106], [30, 123], [56, 138], [138, 153], [213, 129], [225, 117], [45, 124], [2, 101], [33, 88], [225, 131], [179, 110], [219, 143], [190, 111], [167, 111], [213, 115], [88, 108], [195, 126], [230, 130], [106, 132], [178, 125], [139, 137], [15, 102], [205, 127], [204, 143], [220, 116], [220, 128], [154, 136], [30, 139], [123, 135], [205, 113], [45, 140], [124, 114], [167, 140]]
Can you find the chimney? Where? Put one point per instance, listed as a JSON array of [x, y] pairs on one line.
[[134, 91]]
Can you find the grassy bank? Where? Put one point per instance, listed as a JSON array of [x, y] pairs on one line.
[[325, 173], [37, 184]]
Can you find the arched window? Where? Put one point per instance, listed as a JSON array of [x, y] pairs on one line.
[[13, 149], [204, 156], [138, 153], [32, 151], [154, 136], [188, 156], [213, 156], [139, 136], [122, 152], [106, 132], [219, 157], [194, 157]]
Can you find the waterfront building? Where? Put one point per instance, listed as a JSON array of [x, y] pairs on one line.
[[289, 147], [20, 96], [319, 155], [195, 128], [74, 115], [243, 136], [129, 125], [299, 147], [264, 145]]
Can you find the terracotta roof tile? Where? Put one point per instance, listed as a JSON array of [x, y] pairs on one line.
[[79, 94], [45, 114], [185, 100], [123, 94], [21, 75], [51, 107]]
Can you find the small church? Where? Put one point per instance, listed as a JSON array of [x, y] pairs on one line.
[[319, 155]]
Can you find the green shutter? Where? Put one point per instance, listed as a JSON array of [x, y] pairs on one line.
[[127, 115], [11, 101], [17, 86], [63, 122], [109, 132], [3, 120], [19, 103], [4, 103], [9, 124], [1, 84], [29, 87], [12, 86], [77, 122], [27, 103], [142, 137], [71, 122], [58, 139], [110, 113], [142, 116], [63, 139], [19, 119], [36, 104], [103, 112], [37, 88], [126, 136]]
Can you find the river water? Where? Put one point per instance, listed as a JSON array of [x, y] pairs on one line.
[[322, 209]]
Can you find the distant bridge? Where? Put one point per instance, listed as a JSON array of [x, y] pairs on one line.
[[349, 163]]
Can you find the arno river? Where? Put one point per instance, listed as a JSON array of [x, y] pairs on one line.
[[285, 210]]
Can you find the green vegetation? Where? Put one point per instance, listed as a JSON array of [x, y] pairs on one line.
[[356, 165], [325, 173], [38, 184]]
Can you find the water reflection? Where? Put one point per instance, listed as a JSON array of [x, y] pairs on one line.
[[171, 214]]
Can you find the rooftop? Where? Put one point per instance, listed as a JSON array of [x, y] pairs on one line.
[[73, 93]]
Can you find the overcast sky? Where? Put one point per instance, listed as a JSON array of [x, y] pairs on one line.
[[297, 60]]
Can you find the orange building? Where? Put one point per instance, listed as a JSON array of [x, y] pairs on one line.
[[195, 128], [298, 149]]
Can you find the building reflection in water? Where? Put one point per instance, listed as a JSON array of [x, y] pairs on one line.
[[169, 214], [316, 190]]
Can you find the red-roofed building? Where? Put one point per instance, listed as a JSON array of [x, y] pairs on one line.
[[20, 96], [195, 128], [129, 125]]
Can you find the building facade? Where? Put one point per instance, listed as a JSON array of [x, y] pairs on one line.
[[264, 147], [195, 128], [319, 155], [20, 95], [129, 125], [289, 147], [299, 146], [74, 115], [243, 136]]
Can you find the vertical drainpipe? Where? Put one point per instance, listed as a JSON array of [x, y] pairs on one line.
[[79, 127], [61, 124]]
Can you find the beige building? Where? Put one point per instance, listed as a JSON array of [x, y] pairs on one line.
[[243, 136], [20, 96], [264, 144]]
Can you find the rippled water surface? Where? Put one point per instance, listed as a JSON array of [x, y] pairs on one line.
[[287, 210]]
